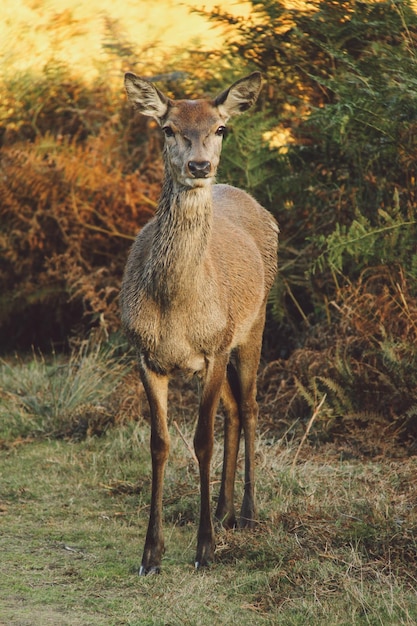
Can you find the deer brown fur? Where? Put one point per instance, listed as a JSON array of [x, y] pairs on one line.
[[194, 295]]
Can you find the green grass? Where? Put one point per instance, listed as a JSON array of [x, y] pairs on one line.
[[336, 542]]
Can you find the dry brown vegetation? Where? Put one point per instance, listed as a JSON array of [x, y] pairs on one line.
[[70, 211], [365, 364]]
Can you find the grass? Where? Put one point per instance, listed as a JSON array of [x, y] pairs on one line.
[[336, 542], [42, 397]]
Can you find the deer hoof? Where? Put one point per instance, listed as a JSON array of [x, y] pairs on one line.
[[201, 566], [148, 571]]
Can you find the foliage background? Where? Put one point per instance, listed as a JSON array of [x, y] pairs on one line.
[[331, 151]]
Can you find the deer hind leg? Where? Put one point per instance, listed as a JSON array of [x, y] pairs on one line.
[[156, 388], [230, 395], [203, 445], [248, 356]]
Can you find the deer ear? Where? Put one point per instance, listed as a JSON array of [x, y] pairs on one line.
[[240, 96], [145, 97]]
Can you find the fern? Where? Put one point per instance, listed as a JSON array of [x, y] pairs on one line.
[[309, 395], [349, 249], [338, 398], [248, 161]]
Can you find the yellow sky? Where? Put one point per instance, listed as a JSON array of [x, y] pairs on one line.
[[30, 30]]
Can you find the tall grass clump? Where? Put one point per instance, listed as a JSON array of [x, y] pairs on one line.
[[56, 396]]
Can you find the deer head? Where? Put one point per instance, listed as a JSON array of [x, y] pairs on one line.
[[193, 129]]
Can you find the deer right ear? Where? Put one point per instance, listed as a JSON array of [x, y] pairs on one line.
[[145, 97]]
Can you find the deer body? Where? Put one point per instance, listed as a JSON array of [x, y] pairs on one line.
[[194, 292]]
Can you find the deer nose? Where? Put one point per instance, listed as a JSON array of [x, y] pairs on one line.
[[199, 169]]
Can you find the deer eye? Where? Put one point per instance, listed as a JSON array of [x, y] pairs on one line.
[[221, 131], [168, 131]]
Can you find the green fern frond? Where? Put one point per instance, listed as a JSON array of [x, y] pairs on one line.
[[309, 396], [339, 398]]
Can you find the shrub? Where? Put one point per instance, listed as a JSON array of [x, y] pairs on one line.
[[71, 200], [342, 93]]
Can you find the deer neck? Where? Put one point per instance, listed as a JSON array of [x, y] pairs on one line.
[[183, 229]]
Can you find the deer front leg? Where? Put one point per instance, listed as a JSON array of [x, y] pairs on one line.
[[156, 388], [203, 445]]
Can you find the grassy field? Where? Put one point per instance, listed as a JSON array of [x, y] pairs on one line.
[[335, 543]]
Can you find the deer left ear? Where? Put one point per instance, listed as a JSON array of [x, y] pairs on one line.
[[240, 96]]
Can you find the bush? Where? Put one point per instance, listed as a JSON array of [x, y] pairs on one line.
[[71, 200], [342, 93]]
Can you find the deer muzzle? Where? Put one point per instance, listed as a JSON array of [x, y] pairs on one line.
[[199, 169]]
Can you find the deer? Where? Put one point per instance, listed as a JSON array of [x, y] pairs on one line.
[[193, 300]]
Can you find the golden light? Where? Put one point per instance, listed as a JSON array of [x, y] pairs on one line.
[[33, 32]]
